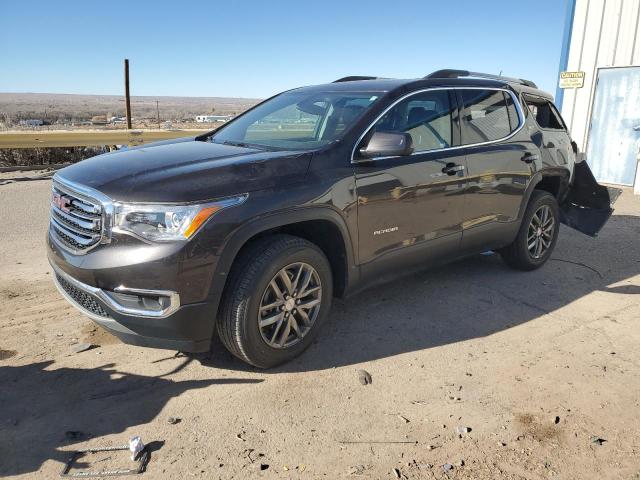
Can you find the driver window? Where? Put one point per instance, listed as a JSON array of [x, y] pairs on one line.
[[426, 116]]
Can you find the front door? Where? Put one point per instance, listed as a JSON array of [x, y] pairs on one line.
[[410, 207], [614, 138]]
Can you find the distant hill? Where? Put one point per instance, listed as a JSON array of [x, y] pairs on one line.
[[54, 106]]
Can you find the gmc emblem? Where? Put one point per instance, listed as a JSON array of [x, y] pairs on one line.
[[60, 201]]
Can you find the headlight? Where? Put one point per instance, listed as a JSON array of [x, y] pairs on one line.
[[163, 223]]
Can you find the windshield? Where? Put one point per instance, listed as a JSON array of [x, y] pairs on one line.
[[297, 120]]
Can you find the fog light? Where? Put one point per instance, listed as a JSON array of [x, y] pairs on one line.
[[143, 302], [153, 303]]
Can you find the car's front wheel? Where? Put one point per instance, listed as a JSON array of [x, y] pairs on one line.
[[279, 294], [537, 235]]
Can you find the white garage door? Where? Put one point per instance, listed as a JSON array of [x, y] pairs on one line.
[[614, 138]]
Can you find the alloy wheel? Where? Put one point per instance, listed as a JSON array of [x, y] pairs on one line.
[[540, 232], [290, 305]]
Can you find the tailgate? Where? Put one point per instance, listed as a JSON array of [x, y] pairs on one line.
[[588, 204]]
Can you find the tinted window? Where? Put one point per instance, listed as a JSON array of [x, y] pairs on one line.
[[352, 109], [425, 116], [514, 119], [298, 120], [544, 112], [487, 115], [559, 118]]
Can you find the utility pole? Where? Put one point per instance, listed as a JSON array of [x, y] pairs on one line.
[[158, 114], [127, 98]]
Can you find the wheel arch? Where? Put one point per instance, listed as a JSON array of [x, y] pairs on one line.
[[552, 180], [322, 226]]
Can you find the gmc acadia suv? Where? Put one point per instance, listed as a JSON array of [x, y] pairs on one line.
[[250, 230]]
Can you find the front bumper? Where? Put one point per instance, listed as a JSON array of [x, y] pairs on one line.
[[147, 295], [175, 328], [125, 301]]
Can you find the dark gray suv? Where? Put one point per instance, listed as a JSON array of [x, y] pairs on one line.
[[249, 231]]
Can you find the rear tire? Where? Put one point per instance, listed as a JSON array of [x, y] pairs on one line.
[[538, 233], [279, 294]]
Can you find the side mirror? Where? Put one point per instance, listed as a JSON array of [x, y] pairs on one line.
[[387, 144]]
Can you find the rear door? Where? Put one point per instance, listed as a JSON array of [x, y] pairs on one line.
[[500, 158], [410, 207], [588, 205]]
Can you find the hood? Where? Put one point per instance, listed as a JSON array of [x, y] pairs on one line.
[[187, 171], [160, 142]]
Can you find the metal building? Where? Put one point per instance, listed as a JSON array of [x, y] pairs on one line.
[[600, 70]]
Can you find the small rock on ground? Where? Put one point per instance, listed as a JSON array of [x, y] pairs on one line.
[[364, 377], [82, 347]]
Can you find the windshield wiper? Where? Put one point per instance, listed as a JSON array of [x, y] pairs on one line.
[[236, 144], [245, 145]]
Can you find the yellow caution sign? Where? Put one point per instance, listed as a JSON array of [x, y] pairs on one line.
[[571, 80]]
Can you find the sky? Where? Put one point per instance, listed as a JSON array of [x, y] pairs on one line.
[[255, 48]]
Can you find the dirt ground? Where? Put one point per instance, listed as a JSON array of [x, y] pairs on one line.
[[538, 366]]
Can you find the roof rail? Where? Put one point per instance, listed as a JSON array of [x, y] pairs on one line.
[[449, 73], [353, 78]]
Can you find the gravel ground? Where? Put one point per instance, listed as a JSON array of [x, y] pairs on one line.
[[534, 364]]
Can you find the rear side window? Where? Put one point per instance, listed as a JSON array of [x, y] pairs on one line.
[[544, 112], [487, 115]]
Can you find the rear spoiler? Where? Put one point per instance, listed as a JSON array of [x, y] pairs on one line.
[[588, 205]]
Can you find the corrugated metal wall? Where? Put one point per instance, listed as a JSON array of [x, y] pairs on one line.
[[604, 34]]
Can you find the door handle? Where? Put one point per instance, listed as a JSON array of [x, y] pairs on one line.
[[529, 157], [451, 168]]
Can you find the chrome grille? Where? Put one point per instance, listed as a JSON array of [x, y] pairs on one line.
[[76, 220]]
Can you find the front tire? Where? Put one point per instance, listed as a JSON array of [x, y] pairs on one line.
[[538, 233], [278, 296]]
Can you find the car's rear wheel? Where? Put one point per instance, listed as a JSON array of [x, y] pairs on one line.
[[538, 233], [279, 294]]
